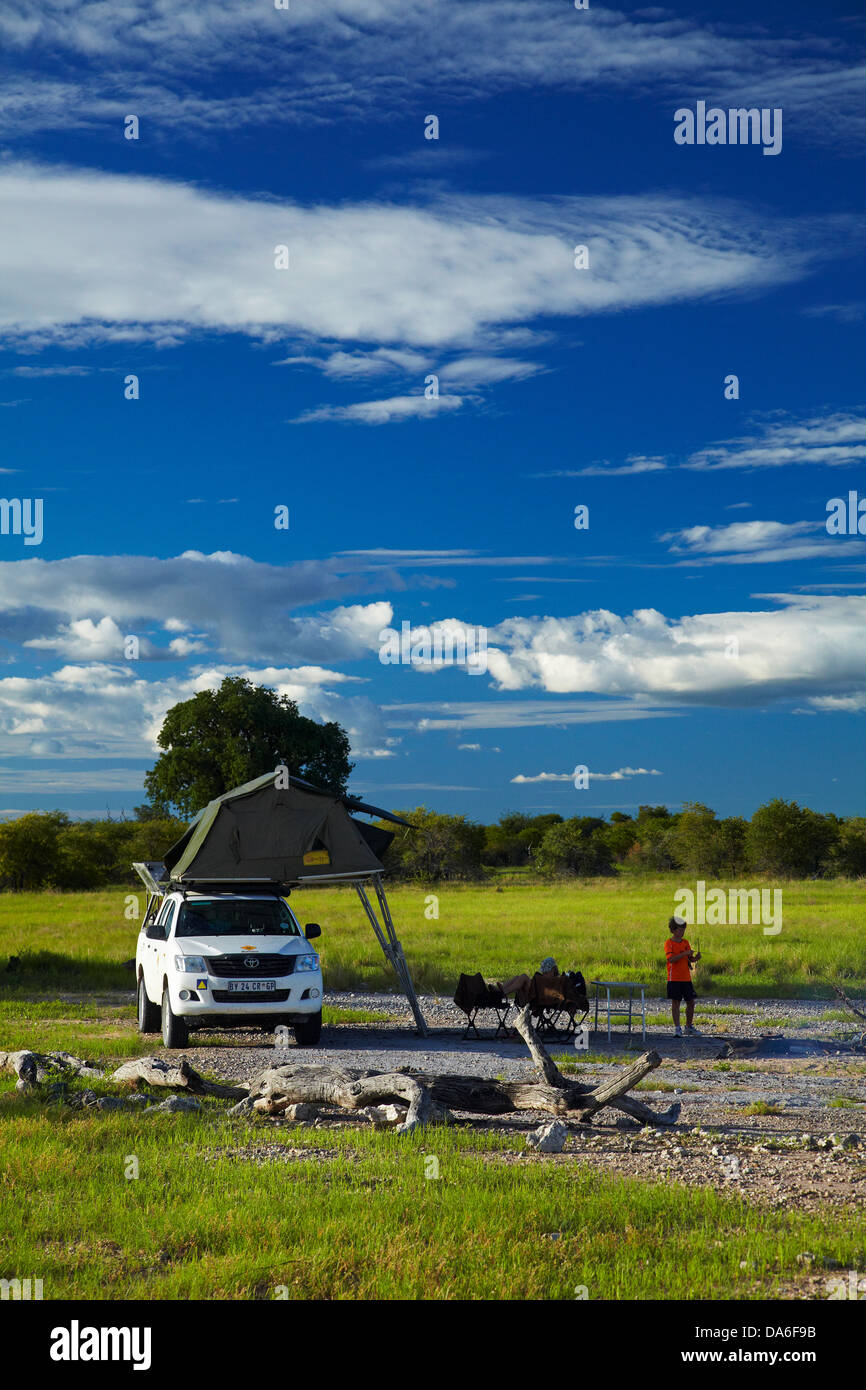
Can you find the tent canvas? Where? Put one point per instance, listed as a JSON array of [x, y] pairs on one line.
[[280, 832]]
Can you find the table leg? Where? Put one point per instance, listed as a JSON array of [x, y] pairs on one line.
[[608, 1014]]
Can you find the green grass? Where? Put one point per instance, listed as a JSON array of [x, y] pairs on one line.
[[761, 1107], [364, 1222], [608, 928], [106, 1033]]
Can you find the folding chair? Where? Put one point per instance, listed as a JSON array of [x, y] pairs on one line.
[[473, 994], [554, 998]]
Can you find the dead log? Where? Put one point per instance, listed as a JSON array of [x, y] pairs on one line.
[[432, 1098], [176, 1075], [538, 1052], [272, 1091], [36, 1067]]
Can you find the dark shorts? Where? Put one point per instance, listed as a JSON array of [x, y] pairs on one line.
[[681, 989]]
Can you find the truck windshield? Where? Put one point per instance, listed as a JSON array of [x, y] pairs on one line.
[[236, 917]]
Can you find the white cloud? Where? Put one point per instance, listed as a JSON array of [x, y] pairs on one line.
[[83, 606], [328, 59], [479, 370], [834, 439], [622, 774], [757, 542], [149, 260], [385, 411], [357, 366], [101, 710], [811, 645], [515, 714], [636, 463]]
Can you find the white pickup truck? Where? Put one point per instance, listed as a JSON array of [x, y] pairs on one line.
[[208, 960]]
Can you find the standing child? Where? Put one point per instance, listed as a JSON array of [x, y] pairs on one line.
[[680, 958]]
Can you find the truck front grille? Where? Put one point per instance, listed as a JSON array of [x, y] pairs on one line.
[[269, 967]]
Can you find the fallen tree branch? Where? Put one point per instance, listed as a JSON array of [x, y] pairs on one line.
[[33, 1068], [538, 1052], [176, 1075], [272, 1091], [432, 1098]]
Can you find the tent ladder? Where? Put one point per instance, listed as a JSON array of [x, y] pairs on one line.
[[387, 939]]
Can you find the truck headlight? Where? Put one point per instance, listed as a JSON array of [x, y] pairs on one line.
[[310, 962], [190, 965]]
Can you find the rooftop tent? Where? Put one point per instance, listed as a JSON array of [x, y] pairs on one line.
[[280, 832]]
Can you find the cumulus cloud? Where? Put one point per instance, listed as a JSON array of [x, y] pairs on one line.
[[809, 645], [82, 607], [101, 709], [145, 259]]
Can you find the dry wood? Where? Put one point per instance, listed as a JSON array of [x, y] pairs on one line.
[[538, 1052], [36, 1067], [176, 1075], [278, 1087], [431, 1098]]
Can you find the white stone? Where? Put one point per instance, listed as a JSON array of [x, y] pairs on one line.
[[548, 1138]]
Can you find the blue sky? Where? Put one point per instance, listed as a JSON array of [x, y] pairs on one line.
[[703, 638]]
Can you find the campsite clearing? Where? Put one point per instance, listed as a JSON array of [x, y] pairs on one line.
[[608, 928]]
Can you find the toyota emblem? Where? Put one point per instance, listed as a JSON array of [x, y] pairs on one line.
[[251, 963]]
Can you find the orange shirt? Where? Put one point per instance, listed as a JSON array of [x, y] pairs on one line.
[[679, 969]]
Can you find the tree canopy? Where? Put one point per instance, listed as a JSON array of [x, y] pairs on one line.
[[222, 738]]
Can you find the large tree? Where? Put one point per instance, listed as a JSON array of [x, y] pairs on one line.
[[790, 840], [223, 738]]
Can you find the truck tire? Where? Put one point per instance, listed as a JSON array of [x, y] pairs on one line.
[[148, 1014], [307, 1034], [174, 1030]]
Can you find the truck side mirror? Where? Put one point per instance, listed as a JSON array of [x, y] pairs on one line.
[[312, 930]]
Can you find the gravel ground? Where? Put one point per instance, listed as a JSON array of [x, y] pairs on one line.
[[385, 1046], [808, 1151]]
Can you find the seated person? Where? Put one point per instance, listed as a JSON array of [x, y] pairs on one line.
[[522, 982]]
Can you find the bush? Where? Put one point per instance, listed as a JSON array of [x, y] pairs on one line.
[[575, 846], [440, 847]]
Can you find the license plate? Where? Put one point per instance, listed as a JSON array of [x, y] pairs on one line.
[[250, 986]]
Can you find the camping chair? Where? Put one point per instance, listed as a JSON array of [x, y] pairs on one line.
[[554, 1001], [473, 994]]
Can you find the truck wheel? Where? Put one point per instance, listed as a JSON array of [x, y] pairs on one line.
[[148, 1014], [174, 1031], [307, 1034]]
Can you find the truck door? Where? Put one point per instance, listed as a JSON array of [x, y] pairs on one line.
[[156, 936]]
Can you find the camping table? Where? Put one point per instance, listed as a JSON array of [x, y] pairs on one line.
[[621, 1012]]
